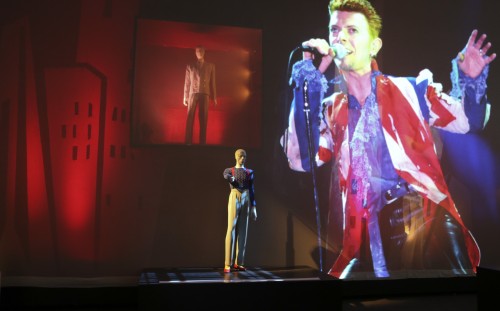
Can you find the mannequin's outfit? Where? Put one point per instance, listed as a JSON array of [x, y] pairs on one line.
[[241, 199], [199, 88]]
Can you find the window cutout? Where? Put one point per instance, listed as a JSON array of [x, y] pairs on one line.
[[75, 152]]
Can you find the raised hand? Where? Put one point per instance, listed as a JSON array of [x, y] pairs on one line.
[[474, 57]]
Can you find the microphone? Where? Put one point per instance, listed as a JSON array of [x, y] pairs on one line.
[[338, 49]]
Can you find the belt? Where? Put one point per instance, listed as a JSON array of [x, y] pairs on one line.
[[397, 191]]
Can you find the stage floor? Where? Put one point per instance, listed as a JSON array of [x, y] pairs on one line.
[[201, 288], [217, 275], [296, 288]]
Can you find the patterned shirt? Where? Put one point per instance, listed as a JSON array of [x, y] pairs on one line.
[[243, 180]]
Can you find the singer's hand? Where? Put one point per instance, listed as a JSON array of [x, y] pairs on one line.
[[320, 45], [473, 60]]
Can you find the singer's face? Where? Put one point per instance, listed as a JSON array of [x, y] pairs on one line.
[[351, 29]]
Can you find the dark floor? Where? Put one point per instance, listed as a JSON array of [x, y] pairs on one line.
[[462, 302], [449, 302], [298, 288], [437, 302]]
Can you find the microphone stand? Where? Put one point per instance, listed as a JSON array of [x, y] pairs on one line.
[[312, 162]]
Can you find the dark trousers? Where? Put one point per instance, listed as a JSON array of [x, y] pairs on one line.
[[411, 244], [201, 101], [408, 244]]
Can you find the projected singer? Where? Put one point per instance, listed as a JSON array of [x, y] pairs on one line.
[[399, 217], [199, 88]]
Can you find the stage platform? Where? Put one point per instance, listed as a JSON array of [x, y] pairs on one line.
[[302, 288], [281, 288], [297, 288], [217, 275]]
